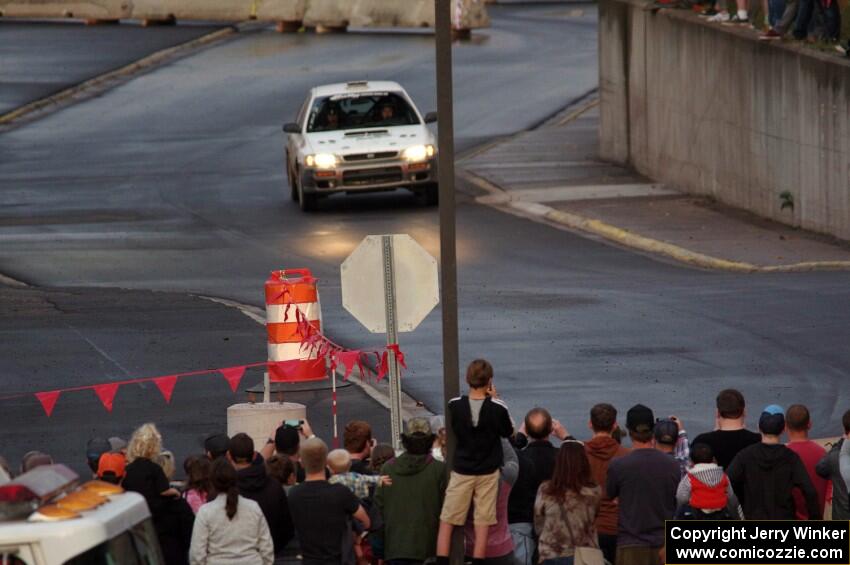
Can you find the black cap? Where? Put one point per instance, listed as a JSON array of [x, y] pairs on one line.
[[640, 418], [216, 445], [287, 440], [94, 449], [666, 432]]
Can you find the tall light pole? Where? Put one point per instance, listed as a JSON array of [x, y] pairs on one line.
[[448, 248]]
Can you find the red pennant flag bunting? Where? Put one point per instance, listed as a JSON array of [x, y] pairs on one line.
[[383, 364], [348, 360], [48, 400], [106, 394], [166, 386], [233, 375], [398, 354]]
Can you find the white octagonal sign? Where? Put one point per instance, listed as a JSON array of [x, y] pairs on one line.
[[416, 283]]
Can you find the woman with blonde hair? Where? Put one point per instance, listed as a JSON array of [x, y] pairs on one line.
[[145, 476]]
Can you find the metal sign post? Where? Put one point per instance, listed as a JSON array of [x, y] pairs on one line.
[[392, 338], [448, 243]]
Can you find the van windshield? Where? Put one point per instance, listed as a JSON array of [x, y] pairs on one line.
[[360, 110], [136, 546]]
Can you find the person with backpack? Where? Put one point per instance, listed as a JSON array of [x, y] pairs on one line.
[[705, 492]]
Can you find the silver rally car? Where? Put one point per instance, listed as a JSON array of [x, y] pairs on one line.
[[362, 136]]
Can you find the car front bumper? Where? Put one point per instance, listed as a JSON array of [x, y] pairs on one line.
[[374, 176]]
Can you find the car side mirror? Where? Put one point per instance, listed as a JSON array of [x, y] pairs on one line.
[[291, 127], [430, 117]]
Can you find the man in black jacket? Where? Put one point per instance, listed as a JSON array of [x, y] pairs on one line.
[[768, 471], [536, 462], [255, 484]]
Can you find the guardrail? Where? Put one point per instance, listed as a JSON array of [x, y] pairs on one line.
[[290, 14]]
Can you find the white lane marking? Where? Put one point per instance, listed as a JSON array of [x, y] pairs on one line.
[[410, 407], [103, 353]]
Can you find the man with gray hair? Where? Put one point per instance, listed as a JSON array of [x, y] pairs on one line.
[[322, 512]]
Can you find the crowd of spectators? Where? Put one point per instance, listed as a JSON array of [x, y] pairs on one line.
[[520, 495], [801, 20]]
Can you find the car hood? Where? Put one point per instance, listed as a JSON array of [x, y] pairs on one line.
[[368, 140]]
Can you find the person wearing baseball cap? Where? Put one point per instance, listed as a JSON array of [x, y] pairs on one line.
[[96, 447], [768, 472], [645, 482], [672, 439], [215, 446], [411, 505]]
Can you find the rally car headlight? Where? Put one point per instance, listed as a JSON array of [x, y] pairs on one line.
[[418, 152], [321, 160]]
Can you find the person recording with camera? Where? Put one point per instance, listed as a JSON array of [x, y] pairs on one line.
[[286, 442]]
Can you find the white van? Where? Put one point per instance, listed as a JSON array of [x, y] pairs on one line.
[[48, 518]]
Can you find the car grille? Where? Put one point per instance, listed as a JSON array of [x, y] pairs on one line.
[[371, 176], [369, 156]]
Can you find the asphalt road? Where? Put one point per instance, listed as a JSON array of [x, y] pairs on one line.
[[41, 58], [174, 181]]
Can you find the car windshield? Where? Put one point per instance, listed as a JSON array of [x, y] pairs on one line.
[[360, 110]]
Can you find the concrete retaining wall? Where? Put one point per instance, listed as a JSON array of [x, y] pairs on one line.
[[713, 111], [469, 14]]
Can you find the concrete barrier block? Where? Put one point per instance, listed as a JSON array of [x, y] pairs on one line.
[[381, 13], [281, 10], [323, 14], [83, 9], [260, 420], [327, 13]]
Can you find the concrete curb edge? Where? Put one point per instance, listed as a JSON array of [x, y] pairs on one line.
[[100, 83], [411, 408], [631, 240], [609, 232]]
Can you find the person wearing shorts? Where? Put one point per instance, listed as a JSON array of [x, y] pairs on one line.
[[479, 421]]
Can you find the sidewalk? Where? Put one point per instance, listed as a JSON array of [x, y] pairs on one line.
[[552, 174]]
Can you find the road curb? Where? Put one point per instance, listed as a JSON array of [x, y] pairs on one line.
[[103, 82], [500, 199]]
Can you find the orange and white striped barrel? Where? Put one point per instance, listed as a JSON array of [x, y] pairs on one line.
[[289, 291]]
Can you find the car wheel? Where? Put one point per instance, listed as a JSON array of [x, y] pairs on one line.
[[429, 195], [307, 202], [293, 189]]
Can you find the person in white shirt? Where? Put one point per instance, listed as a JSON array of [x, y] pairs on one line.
[[230, 529]]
